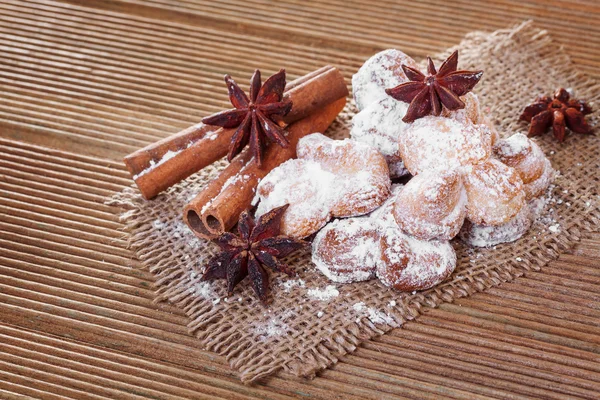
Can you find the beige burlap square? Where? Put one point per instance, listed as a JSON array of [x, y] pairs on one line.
[[311, 322]]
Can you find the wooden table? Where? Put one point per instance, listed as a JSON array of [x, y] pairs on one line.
[[85, 82]]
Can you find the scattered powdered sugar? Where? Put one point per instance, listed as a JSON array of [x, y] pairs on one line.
[[325, 294], [554, 228], [204, 290], [292, 283], [275, 326], [158, 224], [153, 164], [205, 207], [212, 135], [234, 180], [178, 229], [536, 206], [380, 72], [374, 315], [379, 317]]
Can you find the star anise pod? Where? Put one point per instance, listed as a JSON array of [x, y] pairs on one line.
[[258, 245], [427, 94], [259, 118], [559, 112]]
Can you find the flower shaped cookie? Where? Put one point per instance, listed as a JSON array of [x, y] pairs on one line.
[[330, 178]]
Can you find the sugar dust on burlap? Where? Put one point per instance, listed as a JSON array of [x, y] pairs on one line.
[[310, 321]]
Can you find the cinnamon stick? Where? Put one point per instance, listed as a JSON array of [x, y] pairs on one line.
[[216, 209], [168, 161]]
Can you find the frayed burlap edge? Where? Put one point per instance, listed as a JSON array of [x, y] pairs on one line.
[[530, 58]]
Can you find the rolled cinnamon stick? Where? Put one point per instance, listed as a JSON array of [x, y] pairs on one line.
[[217, 208], [168, 161]]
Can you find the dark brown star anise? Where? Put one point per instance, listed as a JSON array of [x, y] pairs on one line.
[[427, 94], [258, 244], [559, 112], [258, 118]]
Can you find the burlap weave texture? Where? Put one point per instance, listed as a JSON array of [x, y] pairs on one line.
[[310, 321]]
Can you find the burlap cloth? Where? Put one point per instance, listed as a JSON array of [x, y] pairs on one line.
[[308, 326]]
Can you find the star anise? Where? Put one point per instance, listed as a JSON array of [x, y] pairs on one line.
[[258, 118], [559, 112], [258, 245], [427, 94]]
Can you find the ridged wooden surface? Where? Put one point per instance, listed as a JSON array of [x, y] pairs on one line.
[[99, 79]]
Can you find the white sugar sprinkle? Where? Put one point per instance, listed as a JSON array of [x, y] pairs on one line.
[[379, 317], [320, 314], [290, 284], [554, 228], [158, 224], [153, 164], [204, 290], [324, 294]]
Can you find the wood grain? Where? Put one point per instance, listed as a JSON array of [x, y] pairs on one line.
[[96, 80]]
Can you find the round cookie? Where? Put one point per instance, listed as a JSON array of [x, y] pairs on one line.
[[487, 236], [432, 205], [494, 191], [470, 114], [524, 155], [347, 250], [306, 213], [362, 176], [380, 125], [438, 143], [538, 187], [410, 264], [380, 72]]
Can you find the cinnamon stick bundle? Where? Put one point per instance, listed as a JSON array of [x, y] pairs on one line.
[[216, 209], [168, 161]]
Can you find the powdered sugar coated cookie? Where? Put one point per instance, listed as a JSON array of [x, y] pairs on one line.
[[432, 143], [380, 72]]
